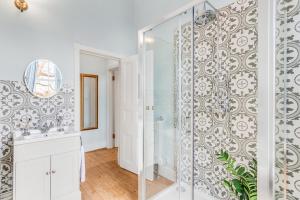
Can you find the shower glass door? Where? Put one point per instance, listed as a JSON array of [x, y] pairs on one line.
[[287, 127], [168, 153]]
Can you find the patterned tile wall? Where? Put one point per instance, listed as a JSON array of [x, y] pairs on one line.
[[231, 41], [287, 184], [184, 104], [17, 103]]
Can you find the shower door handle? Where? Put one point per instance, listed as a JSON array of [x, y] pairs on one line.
[[149, 107]]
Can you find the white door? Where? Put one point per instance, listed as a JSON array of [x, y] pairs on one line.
[[65, 176], [129, 136], [33, 179]]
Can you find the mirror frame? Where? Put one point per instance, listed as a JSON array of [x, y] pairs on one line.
[[82, 76], [32, 92]]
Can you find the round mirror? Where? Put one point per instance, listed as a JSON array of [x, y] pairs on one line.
[[43, 78]]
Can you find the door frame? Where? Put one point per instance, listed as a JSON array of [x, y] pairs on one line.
[[116, 92], [78, 49]]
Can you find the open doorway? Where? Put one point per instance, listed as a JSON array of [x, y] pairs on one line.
[[97, 131], [107, 175]]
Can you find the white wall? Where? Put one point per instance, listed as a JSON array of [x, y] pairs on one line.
[[150, 11], [95, 139], [50, 28]]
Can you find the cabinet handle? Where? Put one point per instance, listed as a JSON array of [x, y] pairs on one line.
[[47, 173], [53, 171]]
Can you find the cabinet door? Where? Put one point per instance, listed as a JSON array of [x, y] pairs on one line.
[[33, 179], [64, 175]]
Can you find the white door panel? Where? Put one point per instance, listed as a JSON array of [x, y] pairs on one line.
[[129, 132]]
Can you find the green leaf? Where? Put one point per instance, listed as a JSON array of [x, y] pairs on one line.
[[244, 184], [228, 185], [237, 185], [241, 171]]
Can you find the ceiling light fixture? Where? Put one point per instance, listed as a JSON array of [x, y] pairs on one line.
[[21, 5], [149, 40]]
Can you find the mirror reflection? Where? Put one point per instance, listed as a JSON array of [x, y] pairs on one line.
[[43, 78], [89, 102]]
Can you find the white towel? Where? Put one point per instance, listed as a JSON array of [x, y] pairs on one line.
[[82, 164]]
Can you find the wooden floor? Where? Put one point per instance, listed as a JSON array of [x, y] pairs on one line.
[[156, 186], [105, 180]]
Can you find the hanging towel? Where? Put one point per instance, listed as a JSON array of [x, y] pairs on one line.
[[82, 164]]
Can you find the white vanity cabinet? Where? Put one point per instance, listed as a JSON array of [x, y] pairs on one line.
[[47, 168]]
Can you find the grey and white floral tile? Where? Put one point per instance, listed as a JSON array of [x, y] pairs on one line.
[[17, 103], [228, 46]]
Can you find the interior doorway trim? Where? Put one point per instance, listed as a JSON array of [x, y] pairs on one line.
[[78, 49]]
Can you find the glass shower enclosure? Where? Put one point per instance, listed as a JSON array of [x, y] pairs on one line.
[[186, 105], [287, 95], [206, 91], [168, 108]]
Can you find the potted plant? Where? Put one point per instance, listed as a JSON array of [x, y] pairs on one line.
[[243, 183]]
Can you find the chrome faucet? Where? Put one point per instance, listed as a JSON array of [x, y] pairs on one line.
[[25, 129], [59, 120], [44, 128]]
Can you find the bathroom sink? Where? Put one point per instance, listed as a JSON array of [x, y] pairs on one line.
[[32, 136], [42, 135], [37, 136]]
